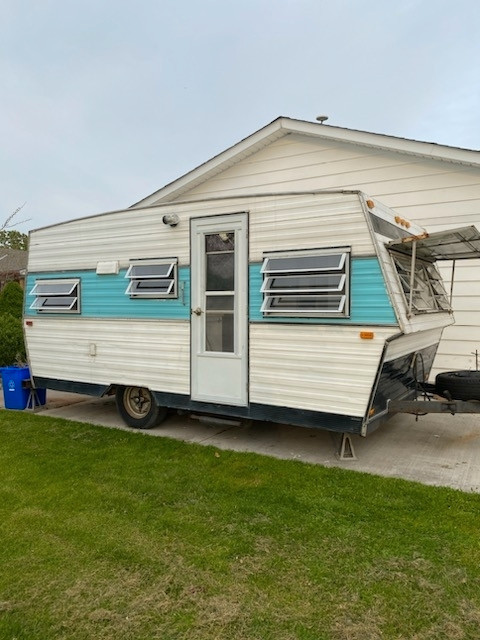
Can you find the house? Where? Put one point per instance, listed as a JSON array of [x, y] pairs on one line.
[[434, 185], [13, 265]]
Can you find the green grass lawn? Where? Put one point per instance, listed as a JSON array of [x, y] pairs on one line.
[[112, 534]]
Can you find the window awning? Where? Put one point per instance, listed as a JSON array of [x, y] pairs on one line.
[[455, 244]]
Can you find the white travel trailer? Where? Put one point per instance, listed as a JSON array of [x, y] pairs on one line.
[[315, 309]]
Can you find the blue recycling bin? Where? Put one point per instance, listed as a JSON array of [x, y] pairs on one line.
[[15, 395]]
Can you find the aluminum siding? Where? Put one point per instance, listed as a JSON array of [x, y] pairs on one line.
[[412, 342], [321, 368], [276, 222], [154, 354]]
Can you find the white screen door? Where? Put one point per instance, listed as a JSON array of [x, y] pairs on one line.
[[219, 279]]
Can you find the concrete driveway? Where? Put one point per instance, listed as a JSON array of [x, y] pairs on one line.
[[437, 449]]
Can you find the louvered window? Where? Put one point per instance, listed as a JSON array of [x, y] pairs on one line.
[[428, 293], [306, 284], [152, 279], [56, 296]]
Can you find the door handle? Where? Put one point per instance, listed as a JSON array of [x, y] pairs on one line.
[[197, 311]]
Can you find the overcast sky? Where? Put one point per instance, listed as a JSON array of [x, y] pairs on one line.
[[103, 102]]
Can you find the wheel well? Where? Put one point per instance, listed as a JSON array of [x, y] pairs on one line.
[[111, 390]]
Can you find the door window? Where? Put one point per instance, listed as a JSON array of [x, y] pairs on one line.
[[220, 292]]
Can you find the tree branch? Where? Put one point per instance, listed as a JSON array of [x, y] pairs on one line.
[[8, 224]]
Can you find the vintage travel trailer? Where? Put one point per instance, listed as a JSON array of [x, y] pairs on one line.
[[311, 308]]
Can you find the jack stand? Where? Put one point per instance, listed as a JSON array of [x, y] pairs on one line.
[[346, 451], [33, 400]]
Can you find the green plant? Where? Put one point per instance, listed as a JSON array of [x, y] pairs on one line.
[[110, 534], [11, 299], [12, 345]]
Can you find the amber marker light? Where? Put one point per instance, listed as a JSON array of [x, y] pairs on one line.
[[370, 204], [367, 335]]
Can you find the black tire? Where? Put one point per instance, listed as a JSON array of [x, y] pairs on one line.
[[461, 385], [138, 408]]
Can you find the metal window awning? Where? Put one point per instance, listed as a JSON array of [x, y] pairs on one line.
[[455, 244]]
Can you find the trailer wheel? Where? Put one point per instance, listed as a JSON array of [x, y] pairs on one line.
[[461, 385], [138, 408]]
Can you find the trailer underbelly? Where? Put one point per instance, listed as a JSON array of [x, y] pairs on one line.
[[270, 413]]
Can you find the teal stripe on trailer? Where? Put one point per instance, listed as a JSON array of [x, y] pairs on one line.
[[103, 296], [369, 304]]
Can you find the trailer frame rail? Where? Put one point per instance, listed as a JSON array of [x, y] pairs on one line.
[[436, 404]]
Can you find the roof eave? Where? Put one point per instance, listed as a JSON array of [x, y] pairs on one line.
[[249, 145], [283, 126], [390, 143]]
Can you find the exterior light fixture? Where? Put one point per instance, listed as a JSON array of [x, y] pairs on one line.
[[171, 219]]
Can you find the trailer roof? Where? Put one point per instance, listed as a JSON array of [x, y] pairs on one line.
[[455, 244]]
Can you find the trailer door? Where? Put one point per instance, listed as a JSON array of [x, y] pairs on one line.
[[219, 309]]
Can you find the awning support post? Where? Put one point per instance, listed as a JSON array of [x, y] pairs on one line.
[[451, 283], [412, 278]]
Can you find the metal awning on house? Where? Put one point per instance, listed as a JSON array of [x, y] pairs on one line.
[[455, 244]]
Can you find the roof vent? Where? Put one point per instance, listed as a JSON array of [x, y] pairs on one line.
[[321, 119]]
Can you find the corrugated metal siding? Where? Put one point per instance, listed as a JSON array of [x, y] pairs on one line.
[[320, 368], [276, 222], [309, 222], [103, 296], [80, 244], [147, 353], [370, 303]]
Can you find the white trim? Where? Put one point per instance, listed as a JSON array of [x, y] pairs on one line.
[[169, 279], [381, 141], [37, 304], [218, 376], [268, 282], [267, 308], [272, 296], [71, 295], [36, 289]]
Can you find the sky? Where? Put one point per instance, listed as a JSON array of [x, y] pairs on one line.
[[103, 102]]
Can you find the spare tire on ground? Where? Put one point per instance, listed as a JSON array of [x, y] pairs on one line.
[[461, 385]]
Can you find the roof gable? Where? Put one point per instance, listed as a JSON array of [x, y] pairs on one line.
[[286, 126]]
